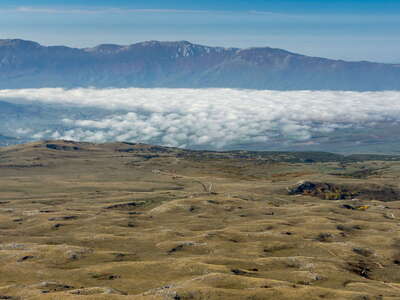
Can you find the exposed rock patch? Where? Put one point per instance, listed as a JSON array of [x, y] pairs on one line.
[[62, 147], [126, 206], [330, 191]]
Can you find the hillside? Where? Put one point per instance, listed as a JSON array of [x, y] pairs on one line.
[[135, 221], [26, 64]]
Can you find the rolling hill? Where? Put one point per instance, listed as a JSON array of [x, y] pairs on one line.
[[135, 221]]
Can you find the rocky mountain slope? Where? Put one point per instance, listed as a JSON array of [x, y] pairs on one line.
[[26, 64]]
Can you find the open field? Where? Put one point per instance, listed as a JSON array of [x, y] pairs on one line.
[[132, 221]]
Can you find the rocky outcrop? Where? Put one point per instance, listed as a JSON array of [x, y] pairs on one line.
[[330, 191]]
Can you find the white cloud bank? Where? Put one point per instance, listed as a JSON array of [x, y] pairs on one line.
[[214, 118]]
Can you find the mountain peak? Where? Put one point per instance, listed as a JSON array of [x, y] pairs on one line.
[[19, 43]]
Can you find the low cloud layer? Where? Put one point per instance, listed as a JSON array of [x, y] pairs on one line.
[[210, 118]]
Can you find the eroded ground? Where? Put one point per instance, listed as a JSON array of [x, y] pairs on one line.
[[124, 221]]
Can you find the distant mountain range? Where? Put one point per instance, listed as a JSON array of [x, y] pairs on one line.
[[26, 64]]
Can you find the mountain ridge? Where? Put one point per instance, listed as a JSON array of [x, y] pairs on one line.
[[181, 64]]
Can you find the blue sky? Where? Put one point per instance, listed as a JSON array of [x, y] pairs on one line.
[[345, 29]]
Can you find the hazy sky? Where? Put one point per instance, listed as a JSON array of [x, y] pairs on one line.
[[346, 29]]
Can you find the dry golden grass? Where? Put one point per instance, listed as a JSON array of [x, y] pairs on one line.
[[120, 221]]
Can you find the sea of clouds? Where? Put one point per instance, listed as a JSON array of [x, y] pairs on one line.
[[213, 118]]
